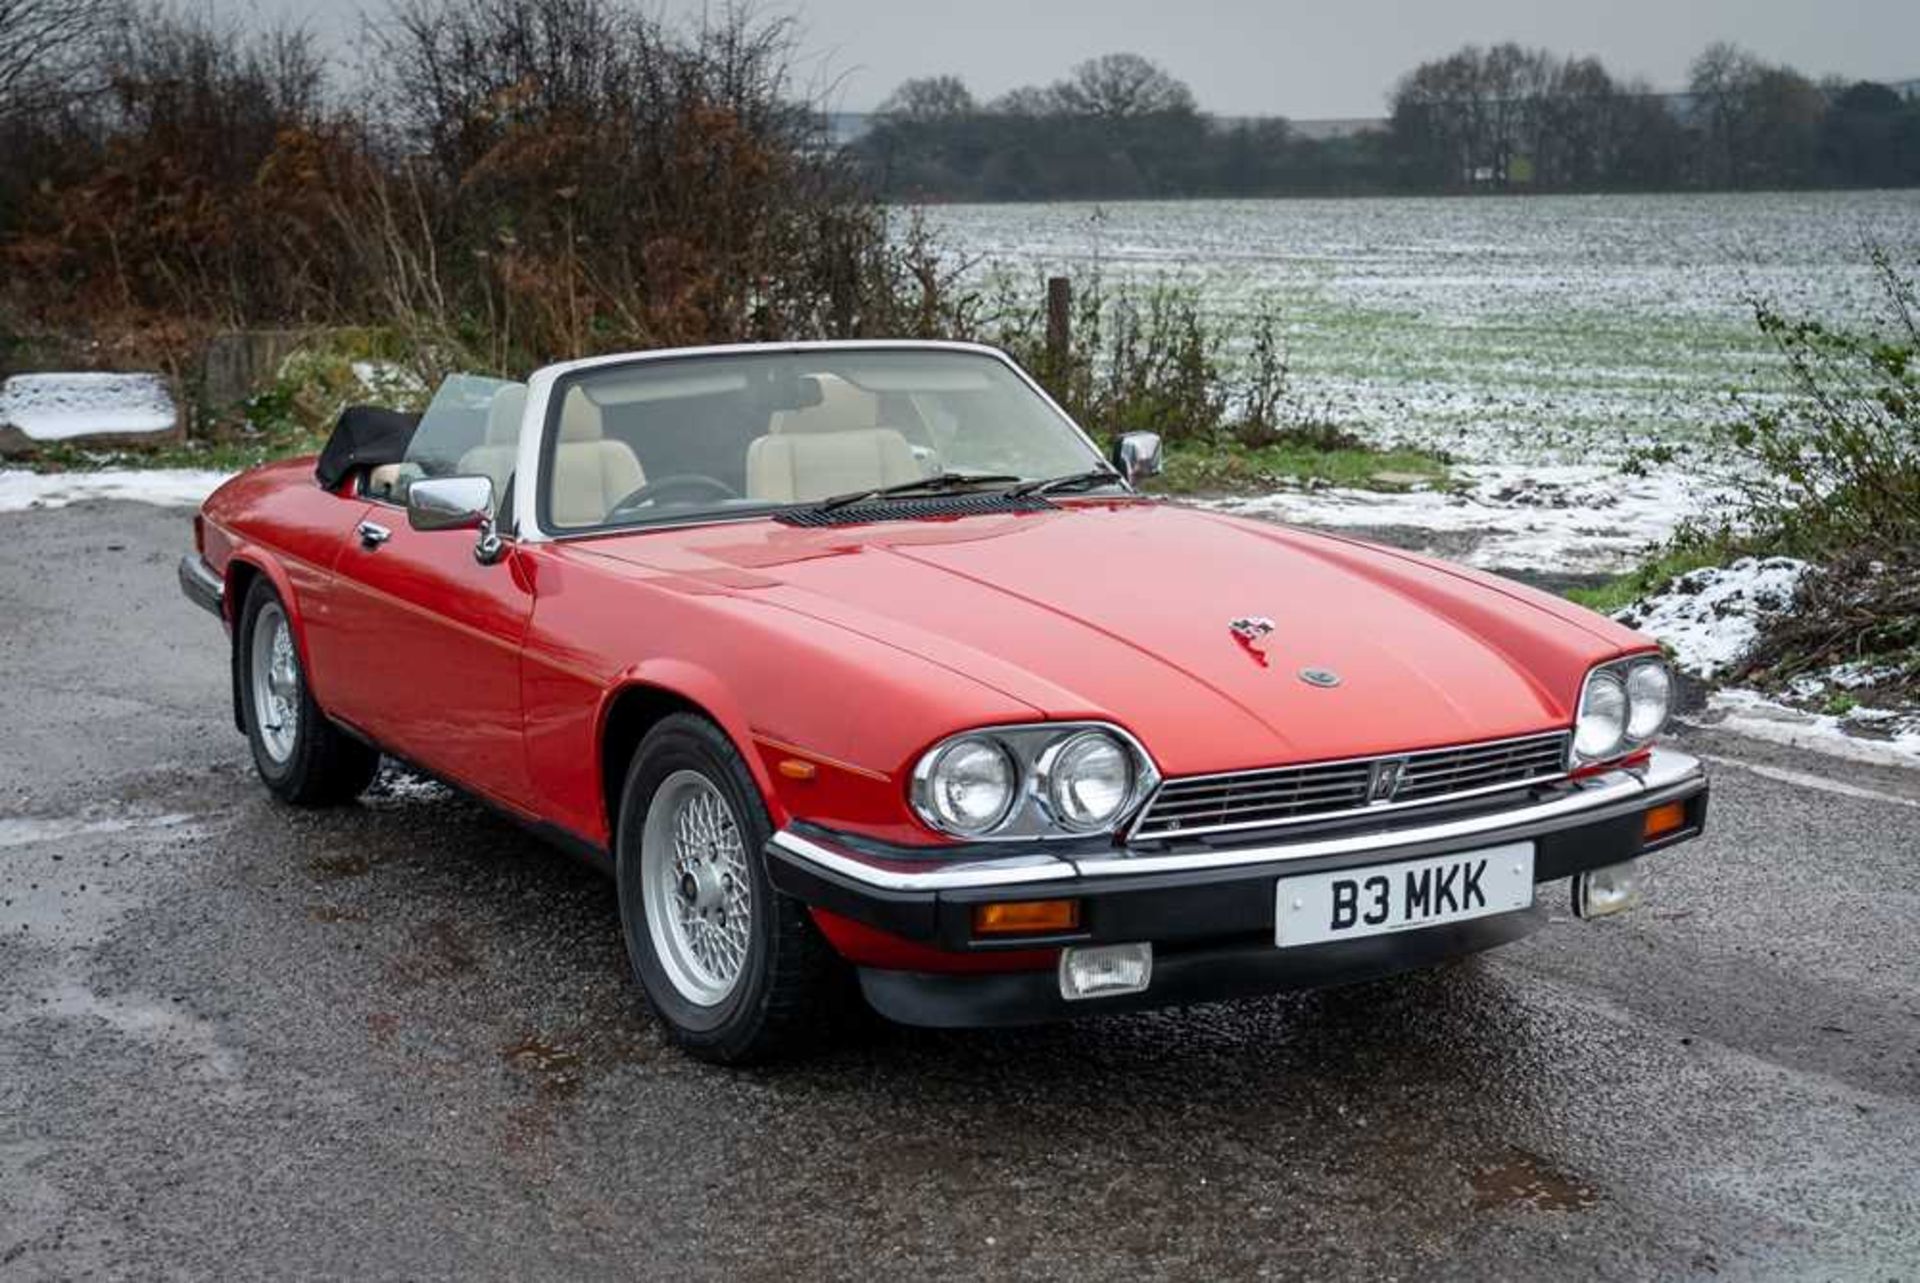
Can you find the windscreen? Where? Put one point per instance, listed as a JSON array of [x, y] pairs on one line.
[[681, 438]]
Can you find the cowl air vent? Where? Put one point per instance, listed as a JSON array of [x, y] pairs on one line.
[[942, 505]]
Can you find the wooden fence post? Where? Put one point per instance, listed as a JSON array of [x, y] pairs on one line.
[[1059, 321]]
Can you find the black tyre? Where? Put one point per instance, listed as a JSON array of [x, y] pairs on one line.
[[304, 758], [736, 971]]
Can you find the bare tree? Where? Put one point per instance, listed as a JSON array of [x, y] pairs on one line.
[[45, 48], [929, 98], [1121, 86]]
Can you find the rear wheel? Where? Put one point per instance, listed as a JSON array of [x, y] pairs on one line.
[[302, 756], [736, 971]]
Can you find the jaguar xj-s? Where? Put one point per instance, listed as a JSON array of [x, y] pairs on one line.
[[865, 672]]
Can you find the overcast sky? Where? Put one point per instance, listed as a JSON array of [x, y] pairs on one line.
[[1280, 57]]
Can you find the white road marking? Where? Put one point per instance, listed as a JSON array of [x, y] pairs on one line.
[[1806, 779]]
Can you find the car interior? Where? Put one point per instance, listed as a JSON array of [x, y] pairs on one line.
[[644, 441]]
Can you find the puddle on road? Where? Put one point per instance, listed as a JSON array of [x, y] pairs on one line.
[[439, 951], [25, 831], [61, 880], [554, 1069], [1523, 1180], [347, 864]]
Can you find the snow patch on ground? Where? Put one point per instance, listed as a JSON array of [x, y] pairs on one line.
[[1878, 736], [60, 407], [1567, 518], [397, 785], [168, 487], [1711, 618]]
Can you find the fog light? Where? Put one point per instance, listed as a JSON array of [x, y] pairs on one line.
[[1026, 917], [1613, 888], [1102, 971], [1669, 817]]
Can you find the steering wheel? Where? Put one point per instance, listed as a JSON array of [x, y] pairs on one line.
[[701, 486]]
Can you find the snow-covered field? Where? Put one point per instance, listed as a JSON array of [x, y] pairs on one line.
[[1556, 329], [1537, 341]]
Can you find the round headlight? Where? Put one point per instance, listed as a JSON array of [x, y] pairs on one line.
[[970, 786], [1602, 727], [1649, 697], [1088, 779]]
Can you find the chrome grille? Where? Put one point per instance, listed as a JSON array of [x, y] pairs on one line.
[[1328, 790]]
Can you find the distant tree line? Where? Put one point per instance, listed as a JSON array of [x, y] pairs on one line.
[[1504, 118]]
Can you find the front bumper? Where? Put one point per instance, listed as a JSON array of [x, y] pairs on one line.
[[1207, 906]]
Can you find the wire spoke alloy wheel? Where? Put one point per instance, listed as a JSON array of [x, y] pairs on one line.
[[274, 670], [697, 890]]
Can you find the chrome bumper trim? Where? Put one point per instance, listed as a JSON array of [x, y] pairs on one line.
[[1667, 776], [924, 875], [202, 587]]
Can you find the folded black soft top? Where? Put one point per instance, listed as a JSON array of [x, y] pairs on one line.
[[366, 435]]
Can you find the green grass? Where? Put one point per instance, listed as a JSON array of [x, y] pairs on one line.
[[233, 453], [1654, 576], [1231, 469]]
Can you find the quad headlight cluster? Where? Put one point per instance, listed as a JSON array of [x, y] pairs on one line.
[[1623, 704], [1055, 780]]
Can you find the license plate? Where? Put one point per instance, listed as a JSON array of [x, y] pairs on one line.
[[1381, 898]]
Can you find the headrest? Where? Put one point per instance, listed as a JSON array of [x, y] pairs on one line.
[[503, 414], [842, 408], [580, 418]]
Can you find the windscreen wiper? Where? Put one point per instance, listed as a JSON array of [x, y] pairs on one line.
[[1072, 481], [938, 483]]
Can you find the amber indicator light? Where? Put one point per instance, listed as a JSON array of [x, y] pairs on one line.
[[1669, 817], [795, 769], [1026, 917]]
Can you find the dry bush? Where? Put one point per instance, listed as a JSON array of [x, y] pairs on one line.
[[523, 181]]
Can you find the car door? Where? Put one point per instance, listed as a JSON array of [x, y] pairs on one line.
[[429, 643]]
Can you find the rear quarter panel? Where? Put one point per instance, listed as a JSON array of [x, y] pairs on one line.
[[277, 520]]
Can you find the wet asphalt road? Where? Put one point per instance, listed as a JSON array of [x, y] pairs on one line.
[[398, 1040]]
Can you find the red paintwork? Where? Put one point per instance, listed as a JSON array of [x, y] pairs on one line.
[[856, 648]]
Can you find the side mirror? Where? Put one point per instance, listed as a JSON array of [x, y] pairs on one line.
[[457, 503], [450, 503], [1137, 455]]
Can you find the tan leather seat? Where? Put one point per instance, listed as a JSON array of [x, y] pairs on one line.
[[799, 468], [495, 457], [832, 448], [842, 408], [590, 473]]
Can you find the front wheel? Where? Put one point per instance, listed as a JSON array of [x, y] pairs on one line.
[[301, 755], [736, 971]]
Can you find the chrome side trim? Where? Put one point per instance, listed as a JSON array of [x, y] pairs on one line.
[[202, 587], [925, 875], [1668, 775]]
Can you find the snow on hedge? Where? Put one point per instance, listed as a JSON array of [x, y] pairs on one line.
[[1711, 618], [62, 407]]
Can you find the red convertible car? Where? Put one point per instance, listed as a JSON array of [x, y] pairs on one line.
[[857, 663]]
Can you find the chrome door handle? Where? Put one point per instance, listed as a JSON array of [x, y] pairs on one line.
[[372, 534]]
